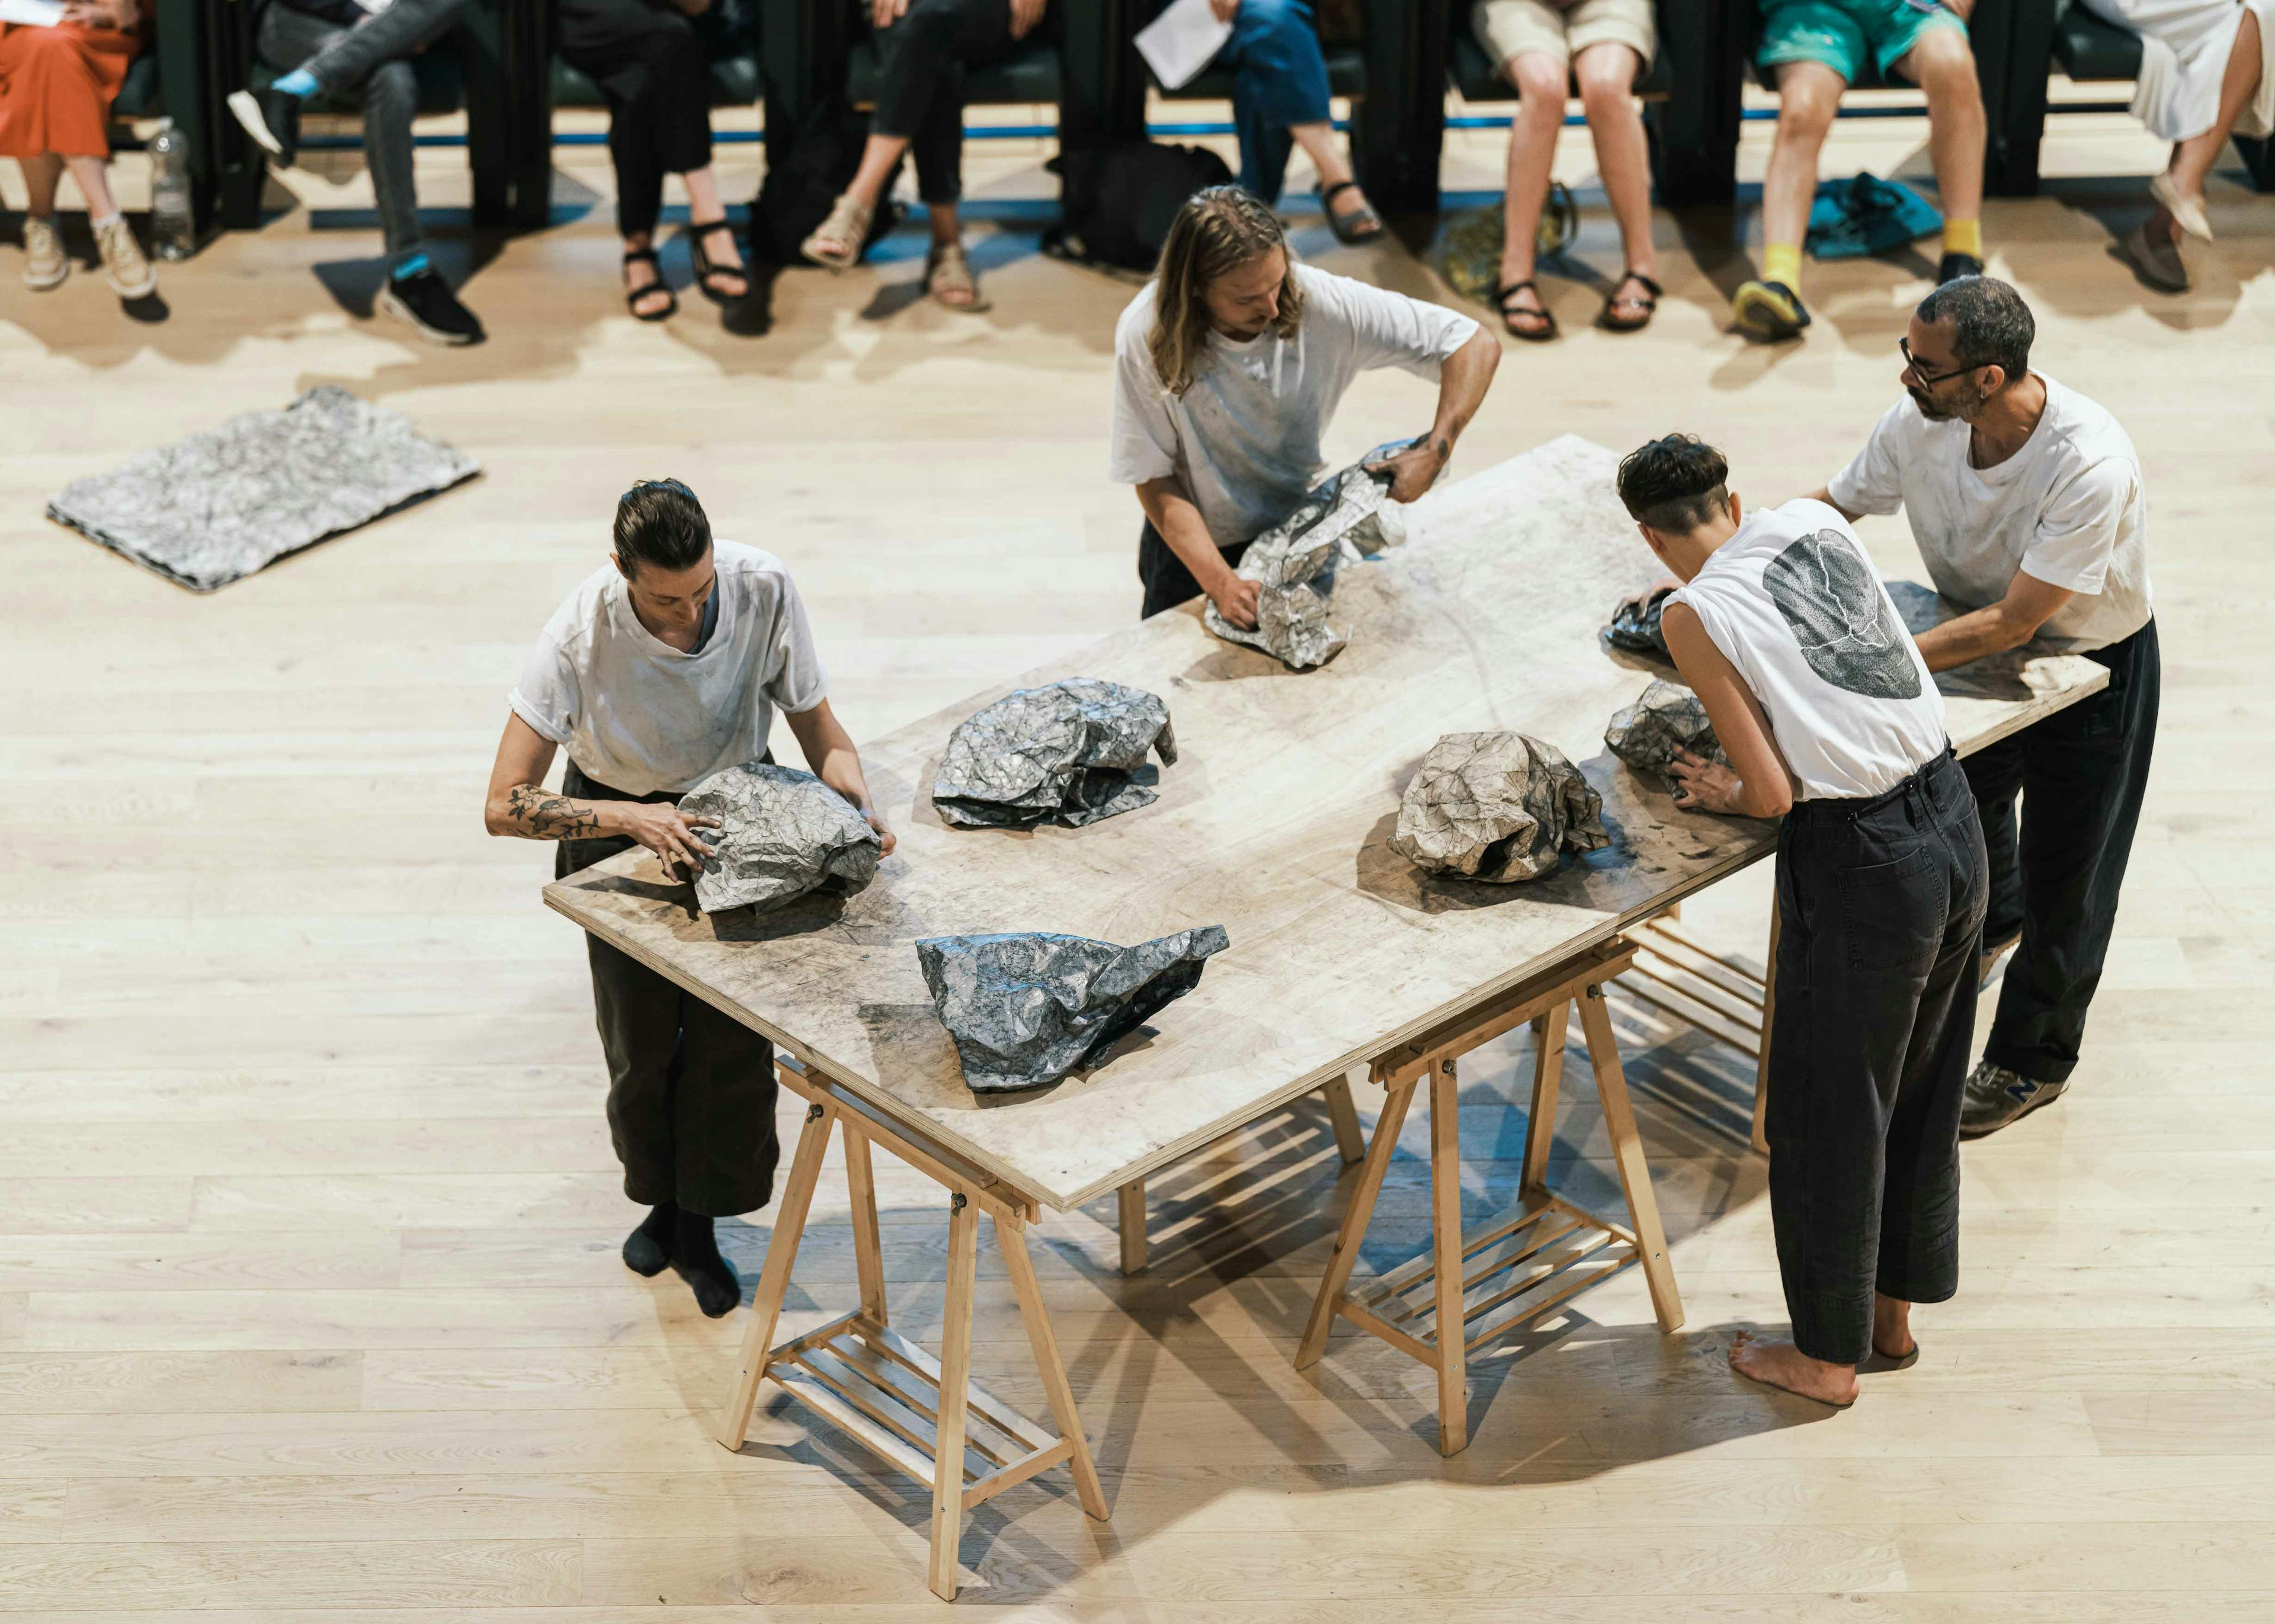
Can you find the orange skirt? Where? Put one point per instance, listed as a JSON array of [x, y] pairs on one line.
[[57, 86]]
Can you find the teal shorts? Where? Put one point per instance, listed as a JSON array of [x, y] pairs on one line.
[[1841, 33]]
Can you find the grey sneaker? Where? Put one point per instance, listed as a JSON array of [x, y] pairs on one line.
[[45, 262], [1996, 1097]]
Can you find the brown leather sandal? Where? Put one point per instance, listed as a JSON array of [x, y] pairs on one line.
[[838, 240], [947, 270]]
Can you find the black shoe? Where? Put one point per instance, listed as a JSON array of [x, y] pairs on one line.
[[425, 300], [695, 1259], [1997, 1098], [272, 119], [647, 1249], [1954, 266]]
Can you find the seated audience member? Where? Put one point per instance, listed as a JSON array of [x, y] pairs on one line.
[[651, 64], [924, 49], [1817, 49], [1603, 46], [2207, 73], [57, 86], [333, 47], [1279, 102], [1230, 364]]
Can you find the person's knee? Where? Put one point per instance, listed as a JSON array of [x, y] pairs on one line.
[[1607, 76], [929, 26], [1806, 104], [1941, 59], [1540, 84], [1276, 15], [391, 95]]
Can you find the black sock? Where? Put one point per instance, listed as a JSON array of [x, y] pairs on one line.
[[647, 1249], [695, 1254]]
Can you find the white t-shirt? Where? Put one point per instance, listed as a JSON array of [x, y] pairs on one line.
[[2068, 508], [637, 714], [1794, 604], [1244, 438]]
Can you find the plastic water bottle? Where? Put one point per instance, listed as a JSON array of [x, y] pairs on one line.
[[173, 229]]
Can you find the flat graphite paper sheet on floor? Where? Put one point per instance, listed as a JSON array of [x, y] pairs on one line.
[[1276, 823], [222, 504]]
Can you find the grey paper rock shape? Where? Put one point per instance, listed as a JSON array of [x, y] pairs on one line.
[[1072, 752], [1666, 718], [1634, 626], [1497, 806], [1294, 564], [1029, 1008], [783, 834]]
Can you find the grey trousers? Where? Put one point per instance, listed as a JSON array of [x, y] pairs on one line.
[[369, 62]]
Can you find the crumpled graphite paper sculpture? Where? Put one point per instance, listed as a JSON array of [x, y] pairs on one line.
[[1666, 718], [781, 833], [1028, 1009], [1068, 753], [1634, 626], [1497, 806], [1294, 564]]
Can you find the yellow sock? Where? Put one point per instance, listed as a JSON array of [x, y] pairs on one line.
[[1781, 262], [1963, 236]]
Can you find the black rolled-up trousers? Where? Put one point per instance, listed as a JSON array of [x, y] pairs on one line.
[[921, 59], [1881, 904], [1168, 583], [2056, 870], [648, 61], [691, 1089]]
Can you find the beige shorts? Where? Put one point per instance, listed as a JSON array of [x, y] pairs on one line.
[[1511, 28]]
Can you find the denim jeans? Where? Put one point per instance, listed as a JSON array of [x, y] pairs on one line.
[[370, 64], [2055, 872], [1280, 79], [1880, 907], [691, 1089]]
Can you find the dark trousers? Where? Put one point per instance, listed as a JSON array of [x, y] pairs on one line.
[[691, 1089], [370, 64], [2056, 869], [1166, 581], [649, 62], [1280, 79], [1881, 904], [921, 60]]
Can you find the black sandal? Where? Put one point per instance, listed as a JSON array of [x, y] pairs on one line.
[[1652, 292], [706, 268], [1360, 225], [632, 296], [1547, 317]]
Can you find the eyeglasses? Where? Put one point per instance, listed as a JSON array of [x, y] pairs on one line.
[[1925, 380]]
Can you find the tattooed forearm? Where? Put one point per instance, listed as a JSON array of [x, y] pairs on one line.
[[537, 813]]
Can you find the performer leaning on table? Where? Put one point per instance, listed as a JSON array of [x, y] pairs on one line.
[[1229, 365], [1829, 715], [2027, 502], [665, 667]]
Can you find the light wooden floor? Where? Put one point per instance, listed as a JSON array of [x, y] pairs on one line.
[[309, 1301]]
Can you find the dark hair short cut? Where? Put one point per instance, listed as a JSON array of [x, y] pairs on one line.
[[659, 522], [1674, 483], [1991, 324]]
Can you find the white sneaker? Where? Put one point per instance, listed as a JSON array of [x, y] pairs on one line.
[[129, 274], [45, 262]]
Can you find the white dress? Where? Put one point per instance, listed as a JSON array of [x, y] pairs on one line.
[[2185, 45]]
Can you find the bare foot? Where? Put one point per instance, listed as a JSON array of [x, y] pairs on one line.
[[1781, 1364], [1892, 1328]]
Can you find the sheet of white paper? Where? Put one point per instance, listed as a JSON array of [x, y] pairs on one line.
[[32, 13], [1179, 42]]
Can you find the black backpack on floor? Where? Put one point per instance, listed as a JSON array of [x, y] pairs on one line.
[[1119, 202]]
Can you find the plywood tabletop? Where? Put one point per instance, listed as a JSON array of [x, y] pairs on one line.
[[1274, 823]]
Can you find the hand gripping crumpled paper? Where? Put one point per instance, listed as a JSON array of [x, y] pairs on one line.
[[1497, 806], [781, 833], [1294, 563], [1070, 752], [1634, 626], [1666, 718], [1030, 1008]]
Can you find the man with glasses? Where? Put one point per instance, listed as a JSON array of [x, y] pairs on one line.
[[2026, 502]]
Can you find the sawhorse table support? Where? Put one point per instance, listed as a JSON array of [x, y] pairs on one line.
[[1683, 979], [1130, 1209], [925, 1416], [1530, 1260]]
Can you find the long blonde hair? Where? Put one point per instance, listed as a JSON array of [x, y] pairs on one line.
[[1218, 229]]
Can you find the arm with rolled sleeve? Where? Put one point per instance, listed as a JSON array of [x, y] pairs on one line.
[[1429, 341]]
